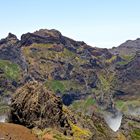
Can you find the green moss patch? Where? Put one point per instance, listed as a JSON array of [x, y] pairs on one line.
[[119, 104], [112, 59], [84, 105], [135, 135], [11, 70], [80, 133], [122, 63], [63, 85], [90, 101], [127, 59], [106, 81], [55, 85], [124, 105]]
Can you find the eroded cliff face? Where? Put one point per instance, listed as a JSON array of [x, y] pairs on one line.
[[127, 70], [71, 69], [84, 78], [128, 76]]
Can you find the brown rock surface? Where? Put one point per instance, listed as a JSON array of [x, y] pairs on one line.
[[15, 132]]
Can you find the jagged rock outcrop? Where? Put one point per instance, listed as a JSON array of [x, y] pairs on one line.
[[10, 39], [9, 50], [34, 106]]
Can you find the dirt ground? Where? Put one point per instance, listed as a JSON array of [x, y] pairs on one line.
[[10, 131]]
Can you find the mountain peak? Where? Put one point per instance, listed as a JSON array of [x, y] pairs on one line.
[[129, 47], [41, 36], [11, 38], [131, 43], [48, 33], [10, 35]]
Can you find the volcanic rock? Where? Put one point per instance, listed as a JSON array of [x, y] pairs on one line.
[[34, 106]]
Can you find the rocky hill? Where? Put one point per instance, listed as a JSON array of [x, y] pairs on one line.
[[44, 70], [130, 47]]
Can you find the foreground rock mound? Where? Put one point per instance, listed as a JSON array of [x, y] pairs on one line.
[[15, 132], [34, 106]]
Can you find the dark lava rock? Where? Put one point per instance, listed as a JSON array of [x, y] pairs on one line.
[[10, 50], [128, 78], [42, 36], [69, 98], [11, 38]]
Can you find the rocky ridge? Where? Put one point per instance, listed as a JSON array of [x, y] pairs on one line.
[[85, 78]]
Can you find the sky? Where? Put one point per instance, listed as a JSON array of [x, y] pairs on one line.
[[100, 23]]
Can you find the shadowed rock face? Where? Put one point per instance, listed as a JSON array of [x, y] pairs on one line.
[[10, 39], [49, 36], [34, 106], [128, 76], [10, 50]]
